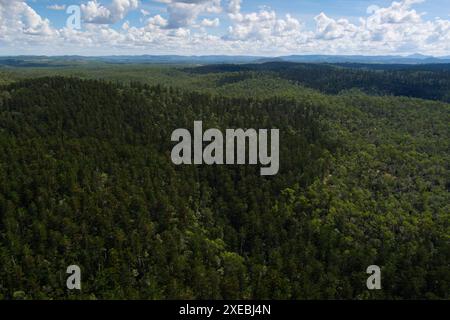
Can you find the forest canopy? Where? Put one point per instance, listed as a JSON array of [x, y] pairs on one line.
[[86, 178]]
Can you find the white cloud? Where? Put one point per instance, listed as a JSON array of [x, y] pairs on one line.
[[398, 28], [184, 13], [183, 28], [262, 25], [94, 12], [330, 29], [20, 23], [372, 8], [210, 23], [234, 6], [158, 21]]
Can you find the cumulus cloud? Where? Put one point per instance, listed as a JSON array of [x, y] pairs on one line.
[[184, 28], [397, 28], [262, 25], [94, 12], [158, 21], [372, 8], [184, 13], [210, 23], [330, 29], [18, 22], [234, 6]]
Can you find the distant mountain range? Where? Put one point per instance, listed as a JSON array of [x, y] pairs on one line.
[[37, 61]]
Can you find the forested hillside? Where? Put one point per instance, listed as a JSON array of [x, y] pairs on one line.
[[424, 81], [418, 81], [86, 178]]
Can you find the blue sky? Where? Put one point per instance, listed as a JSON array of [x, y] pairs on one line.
[[265, 27], [305, 9]]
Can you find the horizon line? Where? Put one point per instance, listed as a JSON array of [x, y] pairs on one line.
[[414, 55]]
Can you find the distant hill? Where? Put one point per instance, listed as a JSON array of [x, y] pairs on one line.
[[412, 59], [37, 61]]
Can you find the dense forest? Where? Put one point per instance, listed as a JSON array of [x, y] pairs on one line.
[[424, 81], [86, 178]]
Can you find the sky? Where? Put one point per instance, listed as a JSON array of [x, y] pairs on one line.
[[231, 27]]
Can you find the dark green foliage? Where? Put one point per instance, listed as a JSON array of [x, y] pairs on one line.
[[427, 82], [86, 178]]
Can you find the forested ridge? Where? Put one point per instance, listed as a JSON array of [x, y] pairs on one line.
[[422, 81], [86, 178]]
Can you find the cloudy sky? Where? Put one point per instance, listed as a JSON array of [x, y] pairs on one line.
[[247, 27]]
